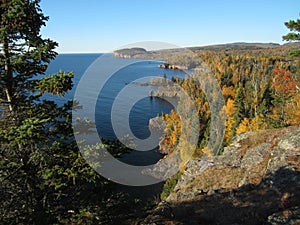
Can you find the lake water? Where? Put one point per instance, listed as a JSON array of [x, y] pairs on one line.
[[140, 113]]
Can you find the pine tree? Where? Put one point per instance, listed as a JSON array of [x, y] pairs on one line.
[[294, 26], [240, 113], [266, 100], [39, 160]]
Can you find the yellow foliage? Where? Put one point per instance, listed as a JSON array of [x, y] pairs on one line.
[[230, 107], [228, 91], [173, 136], [257, 123], [230, 110], [293, 110], [207, 151], [173, 129], [182, 167], [186, 149], [229, 129], [243, 127]]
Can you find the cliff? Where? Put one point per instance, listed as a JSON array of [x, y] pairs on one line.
[[131, 53], [255, 181]]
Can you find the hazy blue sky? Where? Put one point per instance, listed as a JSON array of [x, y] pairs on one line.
[[104, 25]]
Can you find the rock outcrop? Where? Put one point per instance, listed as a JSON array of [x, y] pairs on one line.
[[157, 124], [131, 53], [172, 67], [255, 181]]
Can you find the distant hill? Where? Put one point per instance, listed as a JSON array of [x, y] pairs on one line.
[[143, 53], [129, 52], [236, 46]]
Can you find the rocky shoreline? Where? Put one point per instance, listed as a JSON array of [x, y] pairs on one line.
[[157, 124], [172, 67]]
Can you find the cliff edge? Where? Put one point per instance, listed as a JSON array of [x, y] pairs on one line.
[[255, 181]]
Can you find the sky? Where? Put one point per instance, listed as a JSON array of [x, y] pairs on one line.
[[98, 26]]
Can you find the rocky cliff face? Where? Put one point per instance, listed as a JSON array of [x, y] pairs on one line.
[[131, 53], [255, 181]]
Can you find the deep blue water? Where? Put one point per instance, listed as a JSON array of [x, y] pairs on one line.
[[140, 113]]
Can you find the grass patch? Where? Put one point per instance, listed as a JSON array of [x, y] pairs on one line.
[[169, 186]]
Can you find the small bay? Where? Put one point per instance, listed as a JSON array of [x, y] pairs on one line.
[[141, 111]]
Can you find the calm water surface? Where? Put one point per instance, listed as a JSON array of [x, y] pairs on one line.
[[140, 113]]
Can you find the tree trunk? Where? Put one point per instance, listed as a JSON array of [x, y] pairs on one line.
[[8, 75], [9, 80]]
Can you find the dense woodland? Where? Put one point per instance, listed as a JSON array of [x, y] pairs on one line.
[[260, 89], [43, 177]]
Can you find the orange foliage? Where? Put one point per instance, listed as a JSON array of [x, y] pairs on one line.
[[283, 83], [228, 91]]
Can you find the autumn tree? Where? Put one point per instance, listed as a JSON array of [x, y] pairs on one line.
[[255, 124], [172, 131], [243, 127], [293, 108], [284, 86], [230, 112]]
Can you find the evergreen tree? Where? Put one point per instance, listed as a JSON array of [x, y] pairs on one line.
[[266, 100], [240, 113], [294, 35], [41, 171]]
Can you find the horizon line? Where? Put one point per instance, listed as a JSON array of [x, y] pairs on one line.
[[192, 46]]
